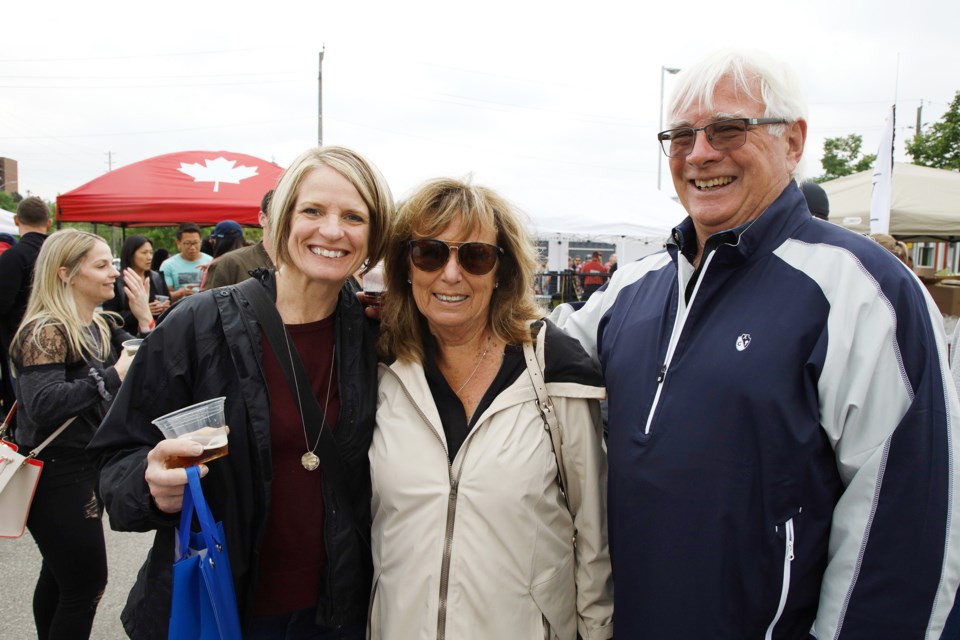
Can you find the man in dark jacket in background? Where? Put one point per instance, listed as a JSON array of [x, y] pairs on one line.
[[16, 280], [236, 266]]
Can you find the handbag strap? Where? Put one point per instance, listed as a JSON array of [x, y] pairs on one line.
[[6, 421], [550, 421], [194, 502], [53, 436], [186, 519], [43, 445], [271, 322]]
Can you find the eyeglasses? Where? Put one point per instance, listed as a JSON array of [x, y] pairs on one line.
[[723, 135], [193, 243], [477, 258]]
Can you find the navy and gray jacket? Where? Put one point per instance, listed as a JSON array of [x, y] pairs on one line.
[[782, 437]]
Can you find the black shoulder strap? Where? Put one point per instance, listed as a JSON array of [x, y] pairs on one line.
[[272, 324]]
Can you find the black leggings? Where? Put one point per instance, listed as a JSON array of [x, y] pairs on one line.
[[65, 522]]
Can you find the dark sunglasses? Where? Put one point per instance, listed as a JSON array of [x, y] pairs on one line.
[[477, 258]]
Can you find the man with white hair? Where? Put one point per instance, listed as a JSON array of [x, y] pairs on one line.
[[782, 421]]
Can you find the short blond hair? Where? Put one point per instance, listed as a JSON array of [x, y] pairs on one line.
[[361, 173]]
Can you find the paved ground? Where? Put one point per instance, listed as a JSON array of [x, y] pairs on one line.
[[21, 566]]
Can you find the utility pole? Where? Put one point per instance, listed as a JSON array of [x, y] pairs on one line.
[[320, 100], [919, 111], [671, 71], [109, 155]]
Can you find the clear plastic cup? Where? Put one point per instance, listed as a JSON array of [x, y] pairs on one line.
[[203, 422], [131, 346], [373, 285]]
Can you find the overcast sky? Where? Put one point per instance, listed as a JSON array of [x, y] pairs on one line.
[[555, 104]]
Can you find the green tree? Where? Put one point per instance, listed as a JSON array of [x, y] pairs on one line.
[[940, 146], [841, 157], [7, 202]]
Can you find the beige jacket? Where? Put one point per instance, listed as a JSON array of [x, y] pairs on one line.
[[483, 548]]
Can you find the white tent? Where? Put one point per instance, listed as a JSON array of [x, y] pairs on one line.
[[6, 223], [925, 202], [637, 230]]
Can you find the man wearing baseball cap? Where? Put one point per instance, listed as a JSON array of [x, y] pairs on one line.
[[817, 200]]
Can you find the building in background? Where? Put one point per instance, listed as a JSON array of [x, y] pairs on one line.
[[8, 176]]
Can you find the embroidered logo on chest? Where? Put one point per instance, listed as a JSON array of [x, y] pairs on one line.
[[743, 341]]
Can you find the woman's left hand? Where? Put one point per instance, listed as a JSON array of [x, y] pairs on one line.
[[138, 293], [156, 307]]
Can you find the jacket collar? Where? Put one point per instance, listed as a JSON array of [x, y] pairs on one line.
[[762, 234]]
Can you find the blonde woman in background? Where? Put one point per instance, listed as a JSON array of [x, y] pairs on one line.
[[69, 362], [891, 244]]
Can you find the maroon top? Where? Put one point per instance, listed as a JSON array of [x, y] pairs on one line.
[[293, 555]]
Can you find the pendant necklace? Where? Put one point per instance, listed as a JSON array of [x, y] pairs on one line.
[[310, 460], [476, 368]]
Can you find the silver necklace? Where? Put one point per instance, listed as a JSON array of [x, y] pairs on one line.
[[477, 367], [310, 460]]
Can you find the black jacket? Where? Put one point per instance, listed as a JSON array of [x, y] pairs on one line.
[[209, 346], [16, 275]]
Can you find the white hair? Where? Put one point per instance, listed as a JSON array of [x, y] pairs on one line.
[[780, 90]]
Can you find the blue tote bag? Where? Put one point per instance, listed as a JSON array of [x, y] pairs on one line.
[[204, 606]]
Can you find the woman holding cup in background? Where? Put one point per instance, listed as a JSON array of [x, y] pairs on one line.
[[136, 256], [69, 363], [300, 561]]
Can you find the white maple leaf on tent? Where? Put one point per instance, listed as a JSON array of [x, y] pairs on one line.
[[217, 171]]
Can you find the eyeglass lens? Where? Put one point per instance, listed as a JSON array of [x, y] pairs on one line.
[[477, 258], [724, 135]]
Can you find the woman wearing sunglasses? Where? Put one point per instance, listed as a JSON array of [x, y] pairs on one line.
[[472, 536]]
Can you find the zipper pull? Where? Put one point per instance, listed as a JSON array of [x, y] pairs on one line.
[[790, 540], [662, 374]]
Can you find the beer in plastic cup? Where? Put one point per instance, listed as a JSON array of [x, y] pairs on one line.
[[131, 346], [203, 422], [373, 285]]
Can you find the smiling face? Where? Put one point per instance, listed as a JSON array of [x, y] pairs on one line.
[[329, 229], [724, 189], [93, 283], [142, 257], [454, 302]]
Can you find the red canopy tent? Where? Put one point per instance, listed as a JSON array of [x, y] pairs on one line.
[[204, 187]]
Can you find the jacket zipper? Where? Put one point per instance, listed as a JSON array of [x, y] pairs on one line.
[[785, 589], [678, 323], [451, 510]]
